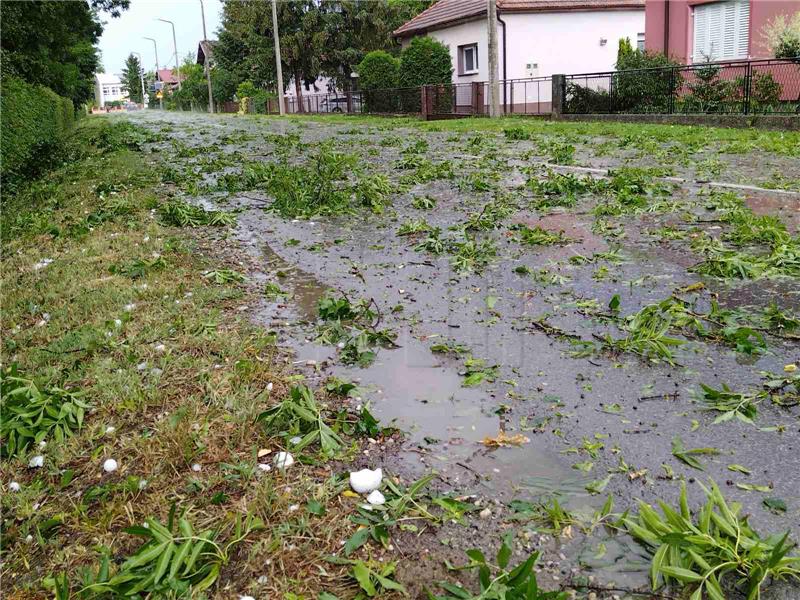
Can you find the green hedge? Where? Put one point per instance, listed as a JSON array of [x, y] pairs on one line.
[[34, 122]]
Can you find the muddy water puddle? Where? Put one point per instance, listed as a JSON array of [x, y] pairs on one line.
[[419, 393]]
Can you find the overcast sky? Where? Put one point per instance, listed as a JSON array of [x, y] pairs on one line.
[[124, 34]]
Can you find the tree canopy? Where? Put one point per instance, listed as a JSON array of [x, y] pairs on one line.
[[54, 43], [131, 78], [317, 38]]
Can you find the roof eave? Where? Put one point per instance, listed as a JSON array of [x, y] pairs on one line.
[[443, 25]]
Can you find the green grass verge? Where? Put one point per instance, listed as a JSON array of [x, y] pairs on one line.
[[105, 304]]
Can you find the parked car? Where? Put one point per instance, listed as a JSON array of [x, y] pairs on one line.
[[338, 104]]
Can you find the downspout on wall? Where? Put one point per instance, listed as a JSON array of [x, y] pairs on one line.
[[505, 74], [666, 28]]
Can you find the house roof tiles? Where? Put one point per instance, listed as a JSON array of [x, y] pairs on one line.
[[445, 12]]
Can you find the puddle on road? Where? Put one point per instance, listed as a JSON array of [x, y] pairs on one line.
[[585, 241], [786, 208], [306, 290], [416, 391]]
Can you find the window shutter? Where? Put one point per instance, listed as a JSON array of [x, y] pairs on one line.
[[700, 32], [743, 27], [715, 32], [721, 30], [729, 12]]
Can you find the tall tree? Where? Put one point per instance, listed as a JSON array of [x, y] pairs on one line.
[[246, 41], [54, 43], [353, 28], [327, 37], [131, 78]]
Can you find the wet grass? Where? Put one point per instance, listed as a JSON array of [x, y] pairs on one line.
[[129, 343], [133, 328]]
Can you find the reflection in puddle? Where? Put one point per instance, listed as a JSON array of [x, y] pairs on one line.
[[306, 290], [424, 397]]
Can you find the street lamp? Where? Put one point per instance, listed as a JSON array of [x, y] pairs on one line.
[[174, 45], [155, 50], [206, 62], [141, 74]]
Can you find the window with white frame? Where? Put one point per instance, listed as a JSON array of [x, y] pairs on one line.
[[640, 42], [721, 30], [468, 59]]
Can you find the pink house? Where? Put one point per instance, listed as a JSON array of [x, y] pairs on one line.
[[694, 31]]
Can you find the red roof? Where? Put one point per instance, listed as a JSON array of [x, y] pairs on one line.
[[445, 12], [167, 76]]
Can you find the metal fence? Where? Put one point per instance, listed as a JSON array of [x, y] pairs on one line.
[[531, 96], [735, 87]]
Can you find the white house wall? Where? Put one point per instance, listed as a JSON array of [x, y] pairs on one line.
[[473, 32], [567, 42]]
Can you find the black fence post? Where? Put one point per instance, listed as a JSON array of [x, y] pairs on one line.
[[558, 95], [672, 92], [748, 79], [611, 94]]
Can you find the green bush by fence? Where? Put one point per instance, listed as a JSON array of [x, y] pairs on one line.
[[34, 122], [377, 75]]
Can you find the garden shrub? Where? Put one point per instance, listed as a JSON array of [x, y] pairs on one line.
[[425, 61], [585, 100], [251, 98], [643, 91], [377, 74], [35, 121], [765, 93], [709, 93]]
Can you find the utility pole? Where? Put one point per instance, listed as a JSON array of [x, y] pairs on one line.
[[207, 61], [175, 46], [278, 67], [494, 83], [141, 74], [155, 50]]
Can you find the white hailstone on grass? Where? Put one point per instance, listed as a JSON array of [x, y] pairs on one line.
[[246, 598], [42, 264], [269, 386], [117, 322], [13, 486], [283, 460], [196, 467], [366, 480], [110, 465], [146, 239], [129, 307], [294, 507], [42, 444], [295, 440], [142, 484], [141, 366], [36, 462], [375, 498], [159, 348], [264, 467], [110, 429], [262, 580]]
